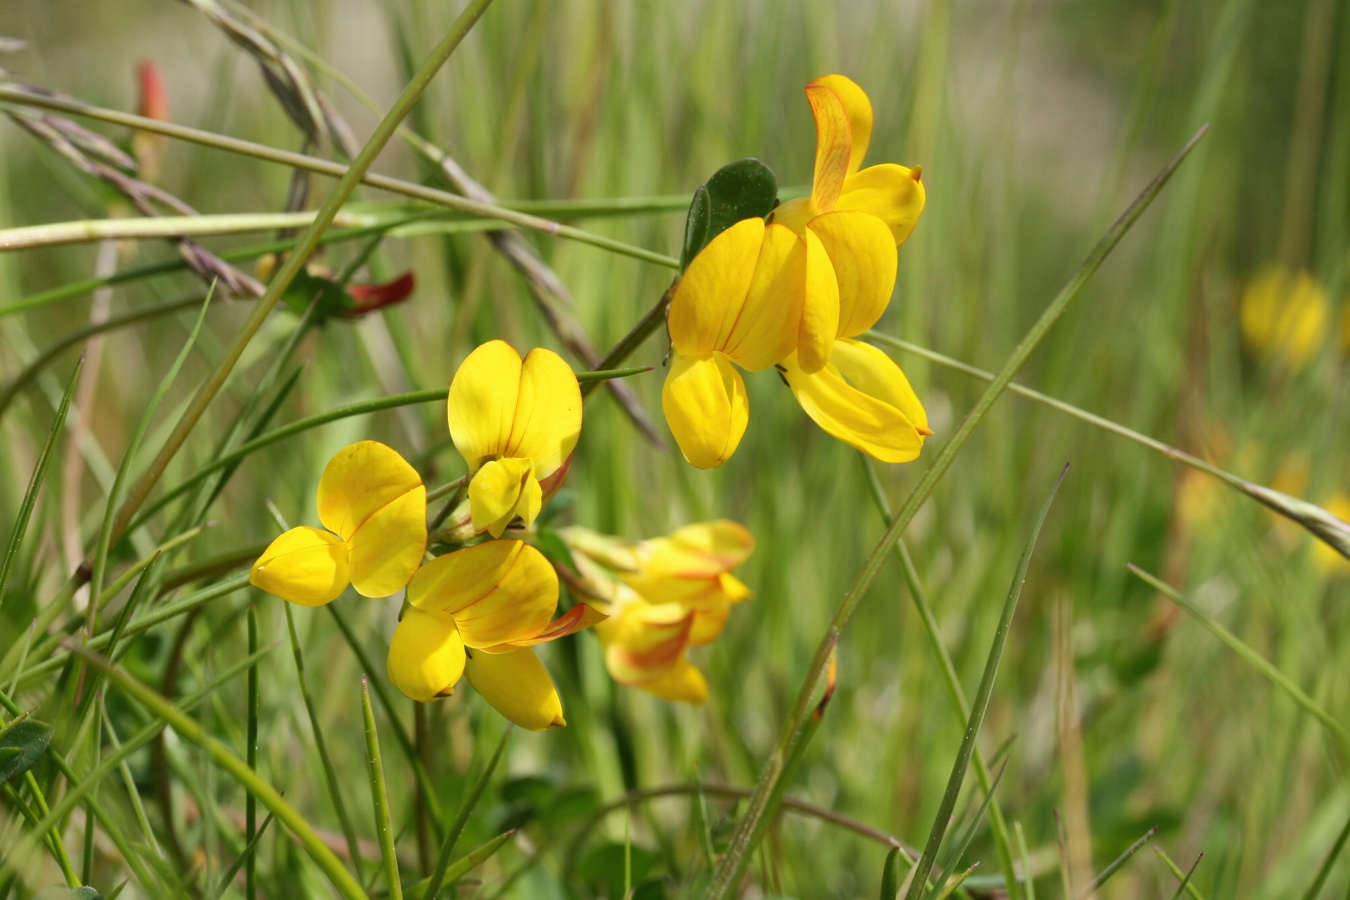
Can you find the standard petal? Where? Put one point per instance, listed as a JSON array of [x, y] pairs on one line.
[[683, 684], [644, 640], [496, 591], [834, 145], [706, 406], [305, 565], [388, 548], [862, 421], [858, 109], [502, 490], [704, 548], [359, 481], [426, 656], [712, 290], [482, 404], [548, 412], [890, 192], [766, 330], [820, 308], [863, 257], [519, 687]]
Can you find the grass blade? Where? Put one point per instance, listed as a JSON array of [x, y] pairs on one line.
[[1117, 864], [251, 831], [245, 857], [1177, 873], [380, 796], [890, 875], [1181, 888], [981, 703], [742, 842], [456, 828], [464, 865], [963, 843], [1256, 660], [35, 483], [1315, 889]]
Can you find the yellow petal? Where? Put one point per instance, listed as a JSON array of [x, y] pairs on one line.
[[683, 684], [712, 291], [863, 258], [1284, 315], [359, 481], [482, 403], [706, 406], [388, 548], [518, 686], [876, 374], [497, 591], [305, 566], [766, 328], [862, 420], [834, 145], [794, 214], [575, 619], [858, 109], [890, 192], [426, 656], [644, 640], [820, 310], [703, 548], [708, 623], [502, 490], [548, 412]]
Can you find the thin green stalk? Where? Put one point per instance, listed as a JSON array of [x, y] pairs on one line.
[[963, 843], [20, 97], [1117, 864], [1324, 872], [1181, 888], [456, 828], [251, 757], [1254, 659], [728, 873], [85, 231], [129, 784], [645, 328], [335, 785], [248, 853], [190, 731], [980, 706], [1028, 878], [50, 838], [380, 797], [1177, 873], [35, 483], [295, 263]]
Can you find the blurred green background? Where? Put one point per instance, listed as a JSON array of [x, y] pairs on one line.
[[1035, 124]]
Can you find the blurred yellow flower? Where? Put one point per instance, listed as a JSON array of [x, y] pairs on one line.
[[477, 612], [1327, 560], [663, 596], [739, 302], [1284, 316], [374, 506], [515, 423]]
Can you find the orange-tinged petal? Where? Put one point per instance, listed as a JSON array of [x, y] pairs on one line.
[[892, 193], [519, 687], [388, 548], [575, 619], [548, 412], [684, 683], [766, 329], [863, 257], [305, 565], [710, 295], [502, 490], [708, 623], [644, 640], [861, 420], [834, 145], [858, 109], [820, 309], [703, 548], [426, 655], [359, 481], [794, 214], [497, 591], [706, 406], [482, 403]]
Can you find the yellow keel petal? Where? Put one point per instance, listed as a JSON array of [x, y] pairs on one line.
[[706, 406], [305, 565], [426, 655], [519, 687]]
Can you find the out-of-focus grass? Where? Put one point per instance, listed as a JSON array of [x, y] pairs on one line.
[[1034, 125]]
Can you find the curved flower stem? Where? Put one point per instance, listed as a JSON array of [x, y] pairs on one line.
[[745, 837], [356, 173], [644, 329]]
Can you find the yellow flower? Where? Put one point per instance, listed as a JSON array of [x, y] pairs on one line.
[[1284, 316], [515, 423], [852, 222], [1327, 560], [739, 302], [663, 596], [374, 507], [478, 611]]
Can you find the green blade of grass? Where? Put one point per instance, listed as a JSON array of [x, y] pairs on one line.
[[244, 858], [251, 832], [224, 759], [380, 797], [1254, 659], [728, 872], [1324, 872], [1181, 888], [890, 874], [464, 865], [456, 828], [1117, 864], [35, 483], [981, 703], [1028, 881], [1177, 873], [963, 843]]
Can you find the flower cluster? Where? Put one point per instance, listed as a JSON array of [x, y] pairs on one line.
[[793, 293], [478, 610]]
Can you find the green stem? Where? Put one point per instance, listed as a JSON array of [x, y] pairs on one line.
[[380, 797], [646, 326]]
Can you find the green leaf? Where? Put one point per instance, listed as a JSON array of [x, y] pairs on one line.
[[22, 744], [329, 298], [890, 875], [65, 893], [744, 189]]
